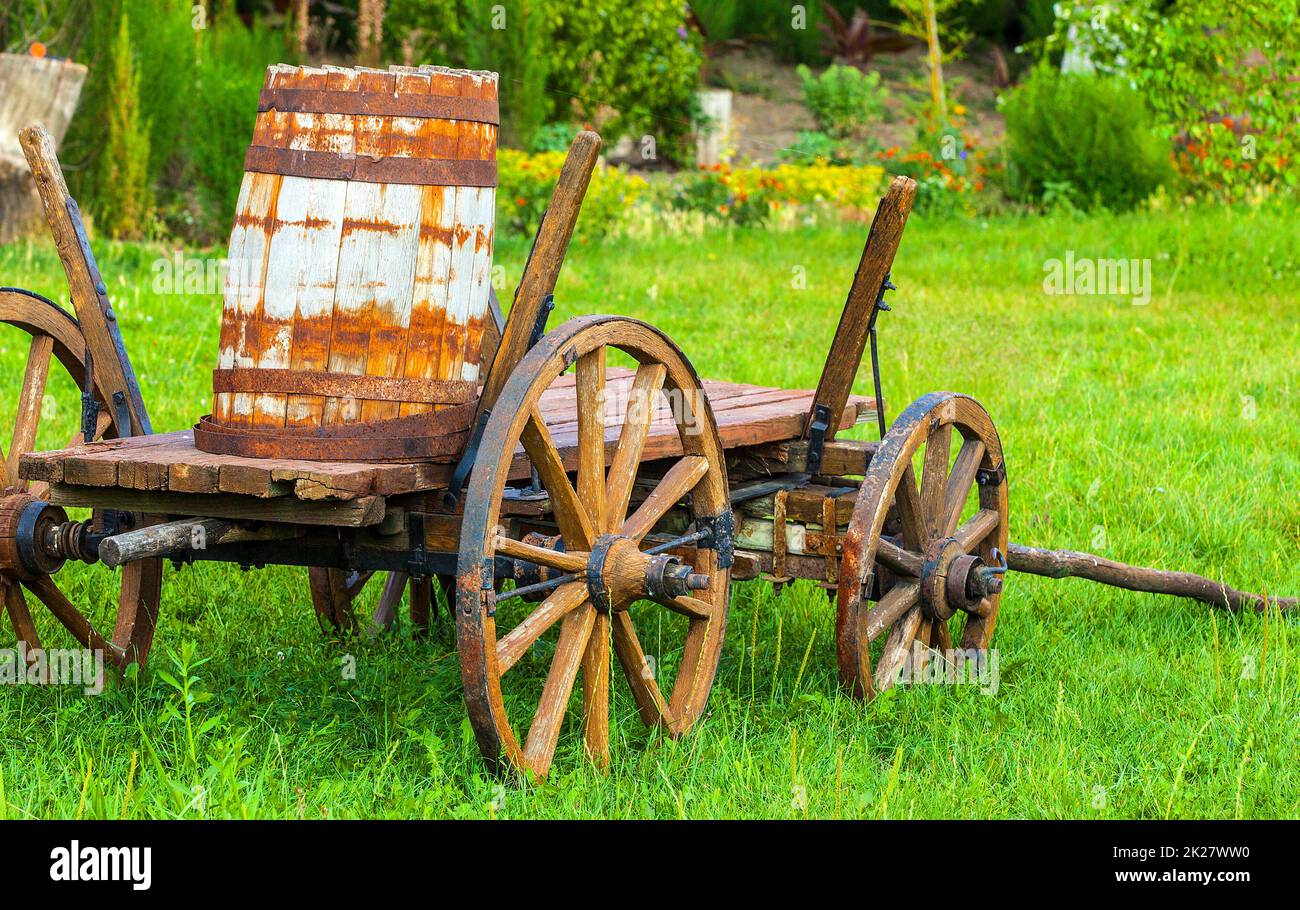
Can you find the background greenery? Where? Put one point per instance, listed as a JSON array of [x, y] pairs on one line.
[[155, 149], [1169, 426]]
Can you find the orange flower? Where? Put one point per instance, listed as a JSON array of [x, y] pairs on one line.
[[38, 49], [521, 202]]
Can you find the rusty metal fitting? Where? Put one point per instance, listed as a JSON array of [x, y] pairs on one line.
[[667, 577]]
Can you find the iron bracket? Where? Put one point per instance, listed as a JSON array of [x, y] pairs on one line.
[[817, 437], [419, 554], [996, 478], [466, 463], [720, 535]]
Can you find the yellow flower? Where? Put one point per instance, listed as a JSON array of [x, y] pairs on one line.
[[959, 110]]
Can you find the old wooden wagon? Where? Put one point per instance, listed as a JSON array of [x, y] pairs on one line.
[[377, 421]]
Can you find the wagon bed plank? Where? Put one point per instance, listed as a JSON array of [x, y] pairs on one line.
[[747, 415]]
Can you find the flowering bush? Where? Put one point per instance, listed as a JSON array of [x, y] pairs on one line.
[[751, 195], [525, 183], [1217, 76], [619, 202], [1225, 160], [950, 167]]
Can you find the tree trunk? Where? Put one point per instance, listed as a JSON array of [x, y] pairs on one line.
[[32, 90]]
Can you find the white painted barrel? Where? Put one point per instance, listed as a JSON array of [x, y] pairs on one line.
[[362, 246]]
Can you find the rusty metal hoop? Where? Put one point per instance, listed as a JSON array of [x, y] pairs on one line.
[[589, 513], [917, 533]]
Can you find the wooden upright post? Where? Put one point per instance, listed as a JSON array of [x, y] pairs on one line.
[[543, 266], [112, 367], [850, 340]]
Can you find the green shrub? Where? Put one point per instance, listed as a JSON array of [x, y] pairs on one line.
[[1091, 132], [843, 100], [553, 137], [815, 147], [125, 191], [1218, 76], [628, 70], [220, 126]]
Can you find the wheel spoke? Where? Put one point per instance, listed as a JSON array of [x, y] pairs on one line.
[[563, 601], [934, 478], [960, 482], [80, 627], [641, 406], [976, 528], [691, 607], [897, 559], [572, 517], [137, 608], [590, 381], [908, 501], [897, 646], [941, 637], [901, 598], [389, 598], [544, 732], [595, 693], [19, 615], [650, 701], [552, 559], [355, 581], [680, 480], [28, 417]]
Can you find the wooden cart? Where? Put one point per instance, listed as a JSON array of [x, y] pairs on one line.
[[609, 503]]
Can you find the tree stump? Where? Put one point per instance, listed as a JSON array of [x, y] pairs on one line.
[[32, 90]]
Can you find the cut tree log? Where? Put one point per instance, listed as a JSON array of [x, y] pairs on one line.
[[32, 90], [1067, 563]]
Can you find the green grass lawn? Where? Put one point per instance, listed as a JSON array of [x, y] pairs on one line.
[[1162, 434]]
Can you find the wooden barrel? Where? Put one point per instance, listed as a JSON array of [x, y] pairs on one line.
[[359, 266]]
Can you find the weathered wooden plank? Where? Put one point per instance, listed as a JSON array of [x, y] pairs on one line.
[[480, 142], [352, 513], [428, 328], [387, 249]]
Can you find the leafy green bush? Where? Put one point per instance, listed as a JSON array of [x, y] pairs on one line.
[[1218, 76], [553, 137], [1092, 132], [631, 70], [843, 100], [627, 69], [220, 125], [125, 190], [815, 147]]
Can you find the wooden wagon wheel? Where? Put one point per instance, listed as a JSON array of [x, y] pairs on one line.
[[35, 536], [600, 544], [940, 565], [334, 593]]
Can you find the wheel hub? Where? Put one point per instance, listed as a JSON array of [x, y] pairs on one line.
[[618, 574], [953, 580], [28, 527]]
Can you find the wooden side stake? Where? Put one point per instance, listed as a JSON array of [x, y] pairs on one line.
[[112, 370], [850, 340], [543, 266]]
